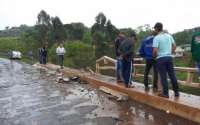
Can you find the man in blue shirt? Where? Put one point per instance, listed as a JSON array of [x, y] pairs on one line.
[[146, 51], [163, 47]]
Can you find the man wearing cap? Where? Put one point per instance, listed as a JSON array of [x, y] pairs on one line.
[[126, 52], [163, 47]]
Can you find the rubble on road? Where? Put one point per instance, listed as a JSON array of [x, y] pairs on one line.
[[120, 96]]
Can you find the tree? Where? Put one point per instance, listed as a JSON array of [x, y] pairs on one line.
[[87, 38], [112, 31], [101, 19], [103, 34], [100, 23], [75, 31], [43, 26], [101, 44], [43, 18], [183, 37], [58, 32]]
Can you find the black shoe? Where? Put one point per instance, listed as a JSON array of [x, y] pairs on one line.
[[146, 88], [176, 94], [126, 86], [164, 96]]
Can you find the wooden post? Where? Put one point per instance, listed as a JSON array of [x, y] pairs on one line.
[[189, 77], [134, 71], [97, 67]]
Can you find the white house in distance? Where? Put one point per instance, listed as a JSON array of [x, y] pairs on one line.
[[182, 49], [186, 47]]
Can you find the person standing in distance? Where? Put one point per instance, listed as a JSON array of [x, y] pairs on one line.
[[126, 52], [118, 64], [43, 55], [60, 51], [146, 51], [163, 47]]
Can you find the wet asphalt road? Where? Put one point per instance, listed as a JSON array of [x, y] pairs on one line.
[[30, 96]]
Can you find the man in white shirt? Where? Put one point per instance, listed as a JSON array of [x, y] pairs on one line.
[[60, 51]]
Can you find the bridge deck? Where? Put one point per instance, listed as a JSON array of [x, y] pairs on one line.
[[186, 106], [186, 99]]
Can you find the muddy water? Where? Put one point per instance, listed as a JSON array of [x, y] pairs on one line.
[[30, 96]]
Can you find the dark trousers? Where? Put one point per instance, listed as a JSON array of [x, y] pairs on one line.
[[119, 68], [44, 60], [61, 60], [165, 66], [149, 64], [40, 59], [127, 71]]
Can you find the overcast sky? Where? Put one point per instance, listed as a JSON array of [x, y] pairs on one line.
[[176, 15]]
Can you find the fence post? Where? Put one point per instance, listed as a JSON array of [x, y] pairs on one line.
[[97, 67], [134, 71], [189, 77]]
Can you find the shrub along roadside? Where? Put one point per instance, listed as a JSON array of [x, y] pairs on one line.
[[10, 43], [78, 54]]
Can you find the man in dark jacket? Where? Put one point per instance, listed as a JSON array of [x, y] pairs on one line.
[[195, 48], [40, 55], [146, 51], [118, 42], [43, 55], [126, 52]]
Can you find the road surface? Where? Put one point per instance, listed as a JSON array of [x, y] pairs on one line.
[[30, 96]]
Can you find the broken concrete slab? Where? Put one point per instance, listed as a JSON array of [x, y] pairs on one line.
[[75, 78], [120, 96], [59, 79], [66, 79]]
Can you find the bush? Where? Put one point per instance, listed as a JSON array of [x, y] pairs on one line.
[[10, 43], [78, 54]]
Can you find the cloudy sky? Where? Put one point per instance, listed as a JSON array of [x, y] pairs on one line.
[[176, 15]]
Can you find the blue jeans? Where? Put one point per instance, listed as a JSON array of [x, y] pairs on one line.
[[127, 71], [165, 66], [198, 66], [119, 68]]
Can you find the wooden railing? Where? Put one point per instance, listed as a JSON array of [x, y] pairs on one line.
[[102, 64]]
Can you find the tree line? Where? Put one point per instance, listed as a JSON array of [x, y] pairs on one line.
[[98, 39]]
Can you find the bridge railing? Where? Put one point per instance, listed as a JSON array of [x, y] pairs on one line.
[[102, 64]]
